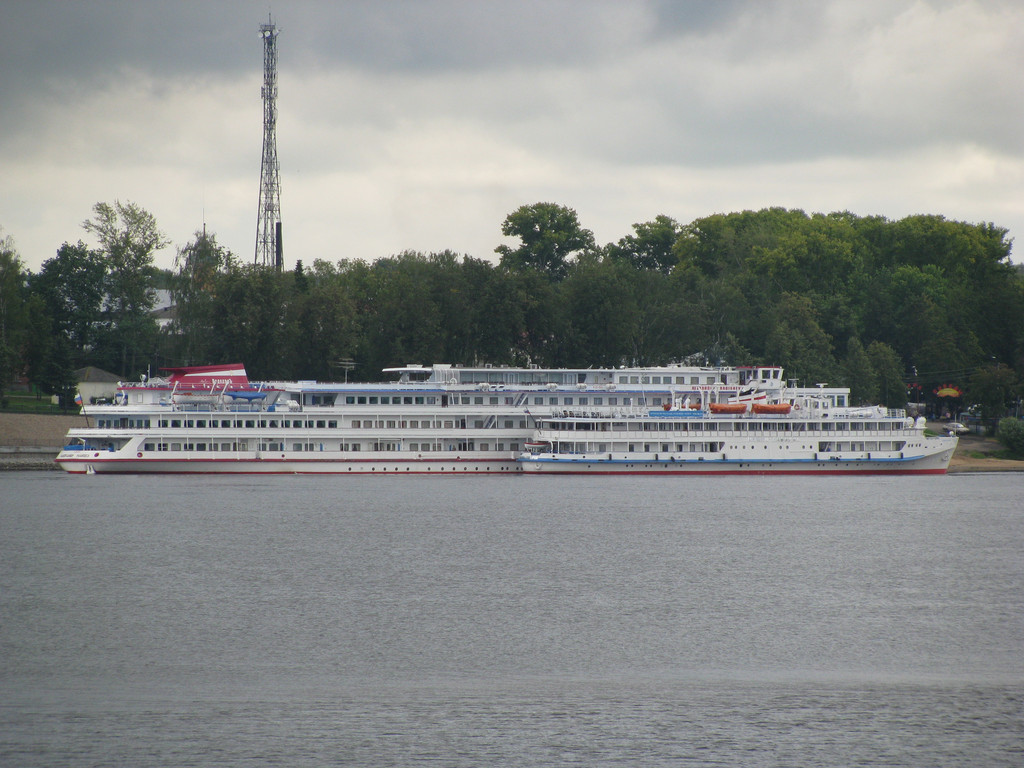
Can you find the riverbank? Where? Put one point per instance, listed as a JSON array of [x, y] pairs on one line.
[[31, 441], [975, 453]]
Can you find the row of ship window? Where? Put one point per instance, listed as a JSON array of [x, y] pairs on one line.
[[313, 446], [455, 399], [129, 423], [713, 447], [738, 426], [310, 423], [694, 380], [571, 447], [525, 378]]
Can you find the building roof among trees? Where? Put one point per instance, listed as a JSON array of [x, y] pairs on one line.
[[96, 375]]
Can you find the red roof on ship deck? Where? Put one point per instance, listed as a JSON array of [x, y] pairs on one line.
[[209, 375]]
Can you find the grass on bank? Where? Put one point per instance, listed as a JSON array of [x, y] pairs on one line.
[[18, 402], [1004, 454]]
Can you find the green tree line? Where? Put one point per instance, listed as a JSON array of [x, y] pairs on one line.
[[870, 303]]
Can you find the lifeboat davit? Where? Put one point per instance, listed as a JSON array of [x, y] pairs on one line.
[[728, 407], [772, 407]]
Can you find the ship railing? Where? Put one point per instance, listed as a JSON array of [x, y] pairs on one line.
[[221, 407]]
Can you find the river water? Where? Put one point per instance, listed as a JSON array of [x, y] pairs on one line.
[[511, 621]]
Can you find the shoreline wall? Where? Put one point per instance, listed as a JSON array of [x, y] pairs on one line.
[[35, 430]]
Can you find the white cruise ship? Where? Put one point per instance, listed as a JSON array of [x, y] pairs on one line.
[[788, 432]]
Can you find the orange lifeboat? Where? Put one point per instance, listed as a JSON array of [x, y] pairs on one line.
[[772, 407], [728, 407]]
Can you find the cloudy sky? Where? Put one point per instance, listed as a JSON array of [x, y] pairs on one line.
[[421, 124]]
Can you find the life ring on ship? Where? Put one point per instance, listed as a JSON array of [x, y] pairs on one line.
[[138, 455], [796, 407]]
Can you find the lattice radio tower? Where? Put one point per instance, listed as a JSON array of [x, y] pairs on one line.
[[269, 249]]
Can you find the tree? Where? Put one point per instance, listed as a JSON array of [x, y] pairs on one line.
[[724, 244], [797, 341], [774, 285], [402, 323], [602, 313], [888, 371], [1010, 432], [198, 264], [541, 317], [299, 279], [248, 320], [993, 387], [495, 317], [48, 356], [859, 374], [71, 288], [128, 238], [12, 314], [324, 313], [712, 310], [550, 235], [658, 335], [651, 245]]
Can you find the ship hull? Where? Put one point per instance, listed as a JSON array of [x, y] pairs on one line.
[[934, 464], [268, 465]]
